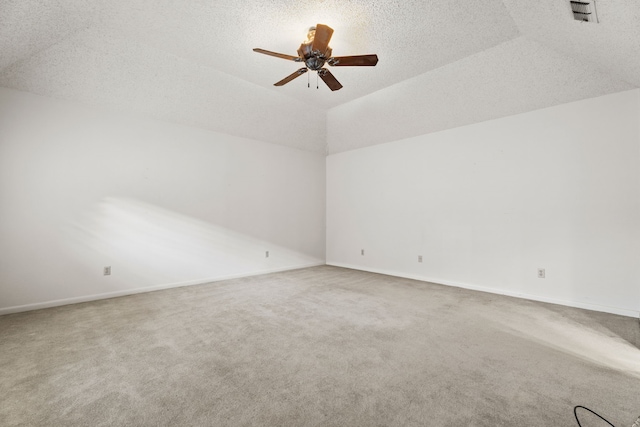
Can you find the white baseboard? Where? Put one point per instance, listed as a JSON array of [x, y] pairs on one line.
[[124, 292], [106, 295], [576, 304]]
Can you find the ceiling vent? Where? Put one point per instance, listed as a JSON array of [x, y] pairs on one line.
[[584, 10]]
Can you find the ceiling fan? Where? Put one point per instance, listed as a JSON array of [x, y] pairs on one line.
[[315, 53]]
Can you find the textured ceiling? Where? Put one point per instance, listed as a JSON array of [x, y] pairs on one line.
[[613, 45], [518, 76], [443, 63]]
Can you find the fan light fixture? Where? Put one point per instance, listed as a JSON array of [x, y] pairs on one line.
[[315, 53]]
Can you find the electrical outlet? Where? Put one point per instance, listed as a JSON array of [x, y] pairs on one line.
[[106, 271], [361, 251], [541, 273], [419, 258], [266, 254]]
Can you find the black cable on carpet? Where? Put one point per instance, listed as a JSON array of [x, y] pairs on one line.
[[575, 412]]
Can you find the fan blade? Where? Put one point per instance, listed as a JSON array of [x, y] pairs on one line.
[[322, 38], [290, 77], [329, 79], [358, 60], [278, 55]]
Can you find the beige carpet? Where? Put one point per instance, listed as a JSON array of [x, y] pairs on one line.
[[322, 346]]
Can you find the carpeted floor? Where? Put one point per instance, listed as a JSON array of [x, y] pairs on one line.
[[321, 346]]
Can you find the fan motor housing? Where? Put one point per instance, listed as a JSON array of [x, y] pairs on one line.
[[315, 63], [314, 59]]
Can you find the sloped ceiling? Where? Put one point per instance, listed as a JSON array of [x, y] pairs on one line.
[[443, 63]]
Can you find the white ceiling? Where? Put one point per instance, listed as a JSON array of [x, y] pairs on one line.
[[443, 63]]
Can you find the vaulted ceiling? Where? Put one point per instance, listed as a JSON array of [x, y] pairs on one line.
[[443, 63]]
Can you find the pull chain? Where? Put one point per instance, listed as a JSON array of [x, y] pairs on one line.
[[317, 85], [308, 80]]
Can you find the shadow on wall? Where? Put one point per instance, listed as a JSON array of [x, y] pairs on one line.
[[148, 245]]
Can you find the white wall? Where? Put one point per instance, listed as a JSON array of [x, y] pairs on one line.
[[162, 204], [488, 204]]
